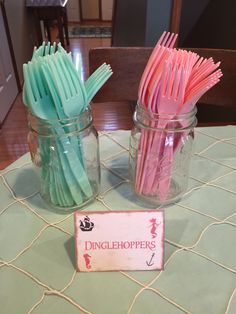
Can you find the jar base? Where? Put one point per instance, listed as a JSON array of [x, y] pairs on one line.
[[174, 195], [74, 207]]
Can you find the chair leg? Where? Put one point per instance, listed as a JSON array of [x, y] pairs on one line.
[[65, 22], [46, 23], [60, 27], [37, 27]]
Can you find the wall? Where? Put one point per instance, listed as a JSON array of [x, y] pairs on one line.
[[191, 11], [215, 27], [158, 20], [140, 23], [73, 12], [107, 8], [90, 9], [129, 25], [21, 30]]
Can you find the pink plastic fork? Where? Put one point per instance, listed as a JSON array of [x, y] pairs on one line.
[[167, 101], [171, 97], [167, 40], [172, 83]]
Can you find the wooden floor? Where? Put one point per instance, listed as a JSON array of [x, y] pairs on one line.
[[13, 134]]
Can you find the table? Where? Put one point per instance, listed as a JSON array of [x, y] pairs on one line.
[[37, 273], [47, 11]]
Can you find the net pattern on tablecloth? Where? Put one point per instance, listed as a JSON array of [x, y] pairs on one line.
[[214, 152]]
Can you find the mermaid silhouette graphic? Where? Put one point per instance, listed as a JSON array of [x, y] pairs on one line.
[[153, 226], [87, 260]]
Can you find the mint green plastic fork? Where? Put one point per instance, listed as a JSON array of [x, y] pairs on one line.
[[47, 49], [39, 100], [72, 97], [94, 76], [47, 53], [42, 106], [96, 80], [75, 141], [42, 51]]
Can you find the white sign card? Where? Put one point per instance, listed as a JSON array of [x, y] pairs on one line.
[[119, 240]]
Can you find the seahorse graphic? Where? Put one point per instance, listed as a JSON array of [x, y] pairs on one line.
[[87, 260], [153, 227]]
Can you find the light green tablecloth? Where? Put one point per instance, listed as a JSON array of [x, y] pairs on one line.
[[37, 260]]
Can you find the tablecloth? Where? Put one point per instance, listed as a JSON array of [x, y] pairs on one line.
[[37, 262]]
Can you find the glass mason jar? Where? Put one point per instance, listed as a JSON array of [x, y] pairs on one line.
[[66, 155], [160, 153]]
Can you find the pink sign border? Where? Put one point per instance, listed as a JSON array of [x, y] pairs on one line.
[[77, 213]]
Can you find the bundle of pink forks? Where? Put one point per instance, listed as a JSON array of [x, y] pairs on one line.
[[172, 83]]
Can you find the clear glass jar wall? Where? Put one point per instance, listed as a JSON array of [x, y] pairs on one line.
[[66, 156], [160, 153]]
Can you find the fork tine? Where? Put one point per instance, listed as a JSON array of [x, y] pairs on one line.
[[169, 40], [33, 81], [198, 62], [53, 48], [56, 77], [99, 76], [152, 79], [203, 72], [196, 93], [92, 92], [172, 43], [176, 84], [61, 79], [103, 75], [73, 74], [27, 85], [34, 52], [164, 39], [182, 86], [103, 68], [98, 70], [163, 78], [52, 90], [47, 49], [41, 49], [75, 79], [215, 75], [60, 48], [64, 71], [99, 83], [170, 81], [159, 42], [38, 79]]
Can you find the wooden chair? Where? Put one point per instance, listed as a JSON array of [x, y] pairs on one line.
[[47, 14], [218, 106]]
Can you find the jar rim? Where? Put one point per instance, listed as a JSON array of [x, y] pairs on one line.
[[49, 127], [168, 122], [165, 116], [64, 120]]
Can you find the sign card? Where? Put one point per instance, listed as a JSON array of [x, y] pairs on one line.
[[119, 240]]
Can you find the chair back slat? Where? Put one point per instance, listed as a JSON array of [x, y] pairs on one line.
[[128, 64]]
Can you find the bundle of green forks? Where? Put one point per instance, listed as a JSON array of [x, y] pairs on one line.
[[54, 92]]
